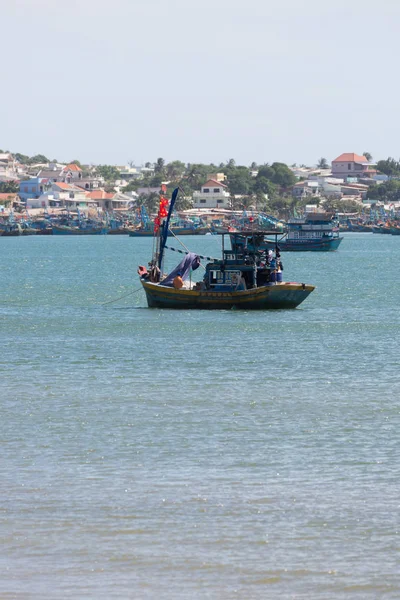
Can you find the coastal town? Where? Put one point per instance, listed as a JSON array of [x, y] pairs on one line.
[[37, 195]]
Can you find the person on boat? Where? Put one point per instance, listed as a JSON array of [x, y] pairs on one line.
[[242, 283], [178, 281], [154, 273]]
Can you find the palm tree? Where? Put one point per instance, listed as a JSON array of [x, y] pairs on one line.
[[174, 170], [159, 166], [368, 156], [322, 163]]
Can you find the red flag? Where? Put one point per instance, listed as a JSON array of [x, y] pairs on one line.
[[163, 208]]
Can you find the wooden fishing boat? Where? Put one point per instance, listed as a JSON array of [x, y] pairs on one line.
[[241, 279], [11, 229], [72, 230], [381, 228], [269, 296]]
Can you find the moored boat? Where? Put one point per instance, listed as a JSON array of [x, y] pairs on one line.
[[76, 230], [313, 232], [250, 279], [395, 230], [11, 229], [381, 228]]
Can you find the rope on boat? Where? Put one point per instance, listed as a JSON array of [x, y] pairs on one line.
[[187, 249], [120, 298], [182, 252]]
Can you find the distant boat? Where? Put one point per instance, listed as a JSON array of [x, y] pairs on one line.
[[76, 230], [358, 226], [314, 232], [395, 230], [238, 280], [381, 228], [10, 229], [174, 230]]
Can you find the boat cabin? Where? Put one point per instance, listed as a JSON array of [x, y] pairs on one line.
[[244, 266], [313, 226]]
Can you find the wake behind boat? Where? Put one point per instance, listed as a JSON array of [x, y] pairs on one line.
[[245, 277]]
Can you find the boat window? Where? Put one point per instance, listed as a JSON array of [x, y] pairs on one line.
[[213, 276]]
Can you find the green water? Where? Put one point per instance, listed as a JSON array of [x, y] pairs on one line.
[[225, 454]]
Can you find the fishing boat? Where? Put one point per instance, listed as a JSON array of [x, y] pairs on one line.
[[395, 229], [243, 278], [42, 226], [10, 229], [357, 226], [77, 230], [178, 228], [382, 228], [315, 231]]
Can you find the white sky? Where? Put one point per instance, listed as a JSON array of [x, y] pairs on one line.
[[206, 81]]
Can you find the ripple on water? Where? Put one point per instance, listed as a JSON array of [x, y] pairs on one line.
[[199, 455]]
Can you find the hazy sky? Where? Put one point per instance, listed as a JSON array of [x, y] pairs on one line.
[[256, 80]]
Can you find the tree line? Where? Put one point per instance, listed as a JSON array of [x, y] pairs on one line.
[[265, 187]]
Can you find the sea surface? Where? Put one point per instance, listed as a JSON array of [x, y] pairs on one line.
[[154, 454]]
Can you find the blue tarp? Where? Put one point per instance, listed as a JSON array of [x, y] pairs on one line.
[[190, 261]]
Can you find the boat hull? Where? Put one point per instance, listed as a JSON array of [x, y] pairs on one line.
[[377, 229], [62, 230], [304, 245], [273, 296]]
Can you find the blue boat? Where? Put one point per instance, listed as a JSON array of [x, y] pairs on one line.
[[317, 231], [242, 278], [78, 230]]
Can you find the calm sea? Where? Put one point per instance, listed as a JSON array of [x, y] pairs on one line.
[[152, 454]]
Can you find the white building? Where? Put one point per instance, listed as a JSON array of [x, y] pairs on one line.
[[213, 194], [306, 188], [61, 194], [9, 167]]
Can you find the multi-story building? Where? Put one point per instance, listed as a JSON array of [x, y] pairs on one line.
[[352, 165], [33, 188], [213, 194]]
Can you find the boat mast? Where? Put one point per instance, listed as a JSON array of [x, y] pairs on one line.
[[164, 228]]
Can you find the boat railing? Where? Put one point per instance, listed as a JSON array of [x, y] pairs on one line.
[[313, 226]]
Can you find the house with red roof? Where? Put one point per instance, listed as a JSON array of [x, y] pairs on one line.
[[352, 165], [72, 173], [59, 193], [213, 194]]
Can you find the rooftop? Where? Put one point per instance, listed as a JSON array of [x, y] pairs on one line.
[[351, 157], [214, 182], [72, 167], [100, 195]]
